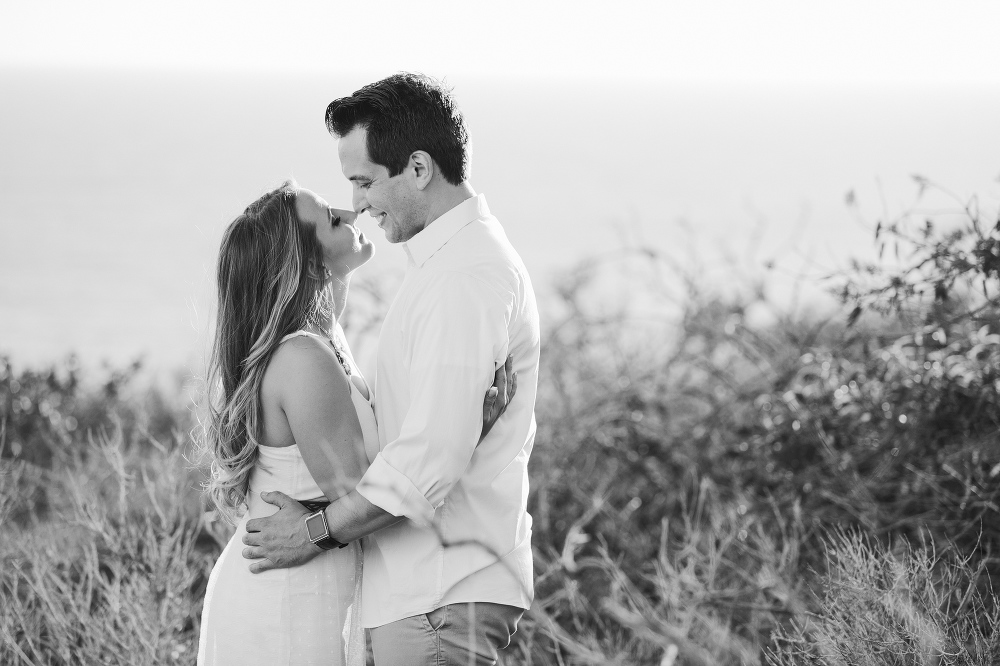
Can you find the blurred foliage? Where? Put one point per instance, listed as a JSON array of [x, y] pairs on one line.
[[685, 485], [708, 485], [45, 410], [115, 571], [939, 253], [47, 416]]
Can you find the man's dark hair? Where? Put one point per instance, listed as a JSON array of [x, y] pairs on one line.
[[404, 113]]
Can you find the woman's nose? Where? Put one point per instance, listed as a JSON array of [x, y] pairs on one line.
[[348, 217]]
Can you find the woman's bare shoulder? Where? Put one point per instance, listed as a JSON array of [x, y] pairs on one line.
[[303, 365]]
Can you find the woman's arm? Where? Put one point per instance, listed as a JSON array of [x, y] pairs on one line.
[[315, 397]]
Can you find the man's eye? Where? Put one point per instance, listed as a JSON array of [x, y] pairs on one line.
[[336, 220]]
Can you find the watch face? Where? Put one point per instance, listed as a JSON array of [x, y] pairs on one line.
[[316, 527]]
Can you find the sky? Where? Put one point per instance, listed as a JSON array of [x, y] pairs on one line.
[[714, 124], [858, 42]]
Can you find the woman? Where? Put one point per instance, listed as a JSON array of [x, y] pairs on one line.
[[292, 414]]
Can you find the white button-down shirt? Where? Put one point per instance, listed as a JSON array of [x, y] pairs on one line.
[[464, 304]]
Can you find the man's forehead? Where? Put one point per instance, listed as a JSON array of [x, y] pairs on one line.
[[353, 152], [354, 143]]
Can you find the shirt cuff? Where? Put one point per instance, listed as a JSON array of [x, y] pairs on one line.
[[389, 489]]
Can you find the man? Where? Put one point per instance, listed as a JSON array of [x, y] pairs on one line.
[[448, 570]]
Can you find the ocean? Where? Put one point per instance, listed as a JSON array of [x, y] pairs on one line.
[[115, 186]]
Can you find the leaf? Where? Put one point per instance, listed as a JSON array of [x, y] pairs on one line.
[[853, 317]]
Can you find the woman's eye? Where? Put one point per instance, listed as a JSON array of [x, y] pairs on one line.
[[336, 220]]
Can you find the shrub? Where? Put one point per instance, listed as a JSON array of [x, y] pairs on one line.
[[704, 491], [116, 570], [886, 423]]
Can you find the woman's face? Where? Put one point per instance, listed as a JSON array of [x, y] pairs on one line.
[[344, 247]]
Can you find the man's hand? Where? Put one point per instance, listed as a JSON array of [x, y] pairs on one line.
[[279, 541], [499, 395]]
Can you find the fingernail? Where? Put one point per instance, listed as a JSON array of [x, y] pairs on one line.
[[493, 391]]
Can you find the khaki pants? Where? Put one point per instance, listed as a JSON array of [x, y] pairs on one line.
[[453, 635]]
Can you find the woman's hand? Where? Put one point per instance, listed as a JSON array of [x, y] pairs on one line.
[[499, 395]]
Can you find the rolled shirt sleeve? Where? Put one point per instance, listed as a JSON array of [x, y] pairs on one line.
[[455, 335]]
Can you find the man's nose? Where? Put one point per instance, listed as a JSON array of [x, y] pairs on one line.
[[359, 202]]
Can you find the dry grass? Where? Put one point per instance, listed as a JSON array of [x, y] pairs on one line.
[[114, 573], [912, 607], [705, 492]]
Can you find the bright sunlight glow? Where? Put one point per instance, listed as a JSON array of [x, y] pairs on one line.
[[911, 42]]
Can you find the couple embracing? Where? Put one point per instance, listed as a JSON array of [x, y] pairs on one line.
[[398, 507]]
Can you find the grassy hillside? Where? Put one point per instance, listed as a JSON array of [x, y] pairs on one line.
[[810, 491]]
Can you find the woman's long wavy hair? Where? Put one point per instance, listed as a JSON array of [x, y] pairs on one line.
[[268, 288]]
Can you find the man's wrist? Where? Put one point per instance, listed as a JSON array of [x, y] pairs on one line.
[[332, 525]]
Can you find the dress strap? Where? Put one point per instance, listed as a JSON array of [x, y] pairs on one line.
[[326, 340], [300, 333]]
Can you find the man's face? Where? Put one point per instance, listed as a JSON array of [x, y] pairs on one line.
[[392, 201]]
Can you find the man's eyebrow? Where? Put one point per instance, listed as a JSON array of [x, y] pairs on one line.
[[355, 178]]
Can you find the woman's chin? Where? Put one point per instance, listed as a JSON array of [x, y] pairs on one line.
[[367, 252]]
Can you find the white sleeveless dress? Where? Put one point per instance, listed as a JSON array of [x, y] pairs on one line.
[[305, 615]]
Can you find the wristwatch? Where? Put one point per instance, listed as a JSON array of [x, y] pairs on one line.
[[319, 531]]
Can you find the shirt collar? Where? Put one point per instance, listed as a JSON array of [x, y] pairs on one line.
[[432, 238]]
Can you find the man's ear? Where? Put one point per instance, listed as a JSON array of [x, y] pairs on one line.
[[422, 167]]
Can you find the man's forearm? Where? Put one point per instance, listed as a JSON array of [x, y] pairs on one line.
[[352, 517]]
